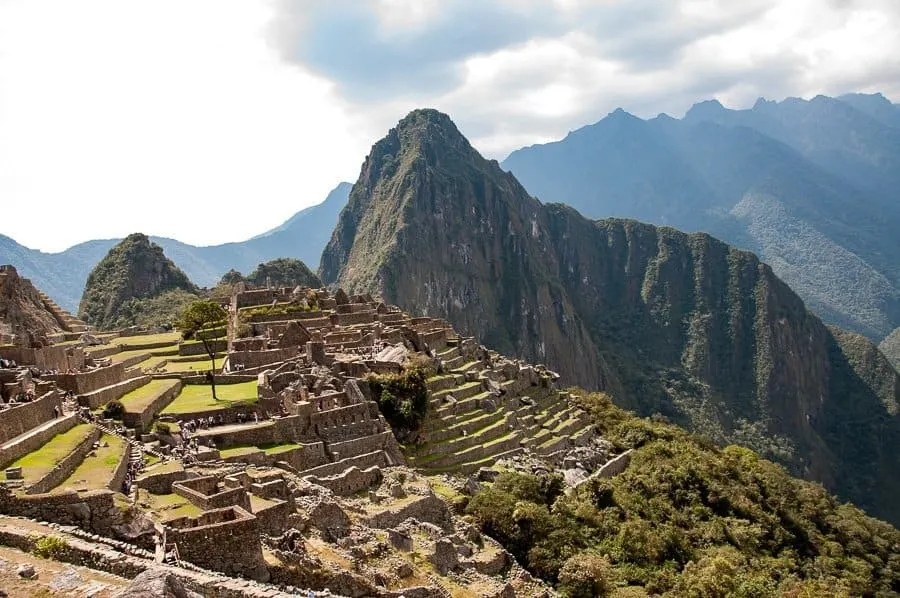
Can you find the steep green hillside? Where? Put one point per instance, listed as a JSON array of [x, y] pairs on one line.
[[687, 519], [811, 187], [135, 285], [667, 322], [283, 272]]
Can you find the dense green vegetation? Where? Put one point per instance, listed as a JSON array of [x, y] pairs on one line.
[[402, 398], [135, 285], [687, 519]]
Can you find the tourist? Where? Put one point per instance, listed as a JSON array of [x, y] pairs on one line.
[[255, 417]]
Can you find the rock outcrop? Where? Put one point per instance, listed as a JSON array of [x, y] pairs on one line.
[[24, 318], [135, 284], [668, 322]]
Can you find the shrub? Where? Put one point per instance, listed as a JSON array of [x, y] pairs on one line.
[[402, 398], [585, 575], [113, 410], [49, 547]]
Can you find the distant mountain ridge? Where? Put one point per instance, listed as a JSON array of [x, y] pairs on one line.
[[666, 322], [303, 236], [813, 187]]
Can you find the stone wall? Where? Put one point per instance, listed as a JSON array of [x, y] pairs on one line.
[[60, 358], [10, 453], [94, 510], [21, 355], [225, 540], [427, 508], [337, 467], [26, 416], [218, 346], [205, 493], [160, 483], [350, 481], [255, 359], [118, 476], [85, 382], [272, 519], [62, 470], [102, 396], [142, 420]]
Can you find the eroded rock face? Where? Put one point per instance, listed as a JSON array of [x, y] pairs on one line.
[[667, 322], [156, 583], [24, 318]]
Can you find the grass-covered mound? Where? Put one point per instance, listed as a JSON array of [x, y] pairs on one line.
[[688, 519]]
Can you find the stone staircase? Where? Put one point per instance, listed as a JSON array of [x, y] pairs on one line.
[[67, 321], [472, 423]]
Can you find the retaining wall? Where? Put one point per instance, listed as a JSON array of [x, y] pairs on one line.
[[35, 441], [62, 470], [27, 416], [85, 382], [99, 398], [142, 420]]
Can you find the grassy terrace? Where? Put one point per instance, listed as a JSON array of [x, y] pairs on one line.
[[269, 449], [97, 469], [167, 506], [198, 397], [140, 398], [37, 464], [146, 339], [122, 356]]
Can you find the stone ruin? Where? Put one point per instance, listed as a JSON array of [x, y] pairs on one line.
[[305, 485]]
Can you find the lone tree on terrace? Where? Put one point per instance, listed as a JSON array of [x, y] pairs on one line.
[[204, 320]]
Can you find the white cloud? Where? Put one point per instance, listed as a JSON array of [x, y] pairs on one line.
[[166, 117], [212, 120]]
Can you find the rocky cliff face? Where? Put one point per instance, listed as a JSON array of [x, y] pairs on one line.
[[24, 318], [671, 323], [135, 284]]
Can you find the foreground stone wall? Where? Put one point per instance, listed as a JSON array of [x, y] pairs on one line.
[[225, 540], [203, 492], [92, 511], [26, 416], [10, 453], [351, 481]]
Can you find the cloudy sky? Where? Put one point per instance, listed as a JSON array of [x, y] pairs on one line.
[[214, 120]]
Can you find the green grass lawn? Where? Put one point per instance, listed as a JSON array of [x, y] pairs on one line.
[[198, 397], [269, 449], [196, 365], [37, 464], [97, 469], [167, 506], [146, 339], [237, 451], [140, 398]]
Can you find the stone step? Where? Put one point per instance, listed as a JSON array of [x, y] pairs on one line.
[[459, 393], [473, 466], [454, 362], [475, 421], [583, 436], [555, 443], [475, 453], [437, 383], [459, 444], [449, 353], [467, 367]]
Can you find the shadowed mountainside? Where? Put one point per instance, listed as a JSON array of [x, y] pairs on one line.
[[667, 322]]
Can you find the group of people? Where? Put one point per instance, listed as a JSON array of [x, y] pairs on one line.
[[134, 468], [21, 397], [7, 364]]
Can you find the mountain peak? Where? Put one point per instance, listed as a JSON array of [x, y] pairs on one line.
[[706, 109], [120, 290]]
